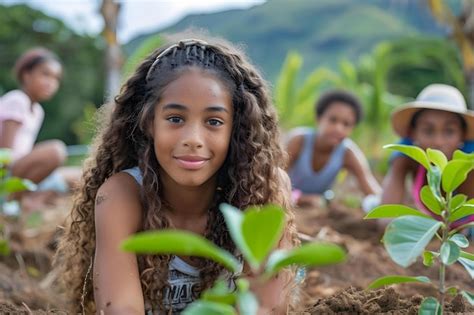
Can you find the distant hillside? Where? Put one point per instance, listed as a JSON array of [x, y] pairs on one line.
[[323, 31]]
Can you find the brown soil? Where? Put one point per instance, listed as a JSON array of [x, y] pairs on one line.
[[26, 275]]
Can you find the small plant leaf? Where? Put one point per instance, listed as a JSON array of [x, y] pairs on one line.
[[457, 201], [309, 254], [453, 291], [460, 239], [15, 184], [437, 158], [434, 182], [449, 252], [461, 155], [177, 242], [393, 211], [429, 200], [209, 308], [468, 296], [467, 255], [430, 306], [4, 248], [464, 211], [262, 229], [5, 156], [468, 265], [256, 231], [247, 303], [428, 258], [220, 293], [406, 237], [413, 152], [455, 174], [388, 280]]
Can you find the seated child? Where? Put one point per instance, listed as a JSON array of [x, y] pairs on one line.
[[437, 119], [38, 71], [317, 156]]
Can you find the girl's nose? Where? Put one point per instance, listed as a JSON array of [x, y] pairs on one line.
[[192, 137]]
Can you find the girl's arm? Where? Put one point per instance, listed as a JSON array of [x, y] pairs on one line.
[[9, 130], [394, 182], [356, 163], [117, 288], [293, 149]]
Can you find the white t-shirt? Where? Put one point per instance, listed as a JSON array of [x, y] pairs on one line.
[[16, 105]]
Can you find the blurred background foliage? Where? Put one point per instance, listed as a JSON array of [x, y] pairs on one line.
[[383, 51]]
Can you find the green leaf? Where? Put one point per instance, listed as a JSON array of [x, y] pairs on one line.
[[468, 265], [430, 306], [4, 248], [262, 230], [209, 308], [388, 280], [453, 291], [220, 293], [248, 303], [468, 296], [460, 240], [406, 237], [5, 156], [449, 253], [467, 255], [455, 173], [437, 158], [15, 184], [256, 231], [428, 258], [309, 254], [429, 200], [464, 211], [461, 155], [413, 152], [457, 201], [393, 211], [434, 181], [177, 242]]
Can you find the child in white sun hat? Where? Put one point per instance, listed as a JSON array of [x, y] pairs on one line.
[[437, 119]]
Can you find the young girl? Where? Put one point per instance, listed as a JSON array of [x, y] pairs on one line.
[[192, 128], [38, 72], [437, 119], [316, 157]]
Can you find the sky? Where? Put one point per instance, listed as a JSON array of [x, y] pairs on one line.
[[136, 16]]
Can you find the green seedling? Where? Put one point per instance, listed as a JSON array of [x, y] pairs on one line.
[[411, 230], [256, 233], [8, 185]]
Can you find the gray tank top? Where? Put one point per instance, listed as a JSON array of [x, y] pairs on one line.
[[183, 278], [302, 175]]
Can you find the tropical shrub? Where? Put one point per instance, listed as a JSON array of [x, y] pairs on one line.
[[255, 232], [450, 213]]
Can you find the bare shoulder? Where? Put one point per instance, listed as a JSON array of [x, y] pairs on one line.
[[118, 199]]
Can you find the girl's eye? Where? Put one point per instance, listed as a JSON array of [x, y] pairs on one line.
[[175, 120], [215, 122]]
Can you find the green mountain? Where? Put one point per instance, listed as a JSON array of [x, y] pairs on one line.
[[323, 31]]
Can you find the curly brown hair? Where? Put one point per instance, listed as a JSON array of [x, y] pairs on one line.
[[250, 175]]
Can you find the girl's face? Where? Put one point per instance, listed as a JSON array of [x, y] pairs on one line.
[[337, 122], [42, 82], [192, 129], [438, 130]]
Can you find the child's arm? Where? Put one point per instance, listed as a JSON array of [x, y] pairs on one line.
[[117, 288], [294, 149], [356, 163], [394, 181]]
